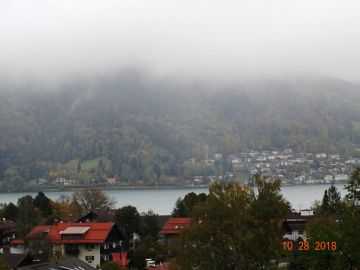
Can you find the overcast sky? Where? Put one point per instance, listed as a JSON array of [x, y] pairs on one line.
[[225, 39]]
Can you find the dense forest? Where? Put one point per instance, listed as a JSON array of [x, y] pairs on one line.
[[138, 128]]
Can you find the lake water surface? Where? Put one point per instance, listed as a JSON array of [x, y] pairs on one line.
[[162, 201]]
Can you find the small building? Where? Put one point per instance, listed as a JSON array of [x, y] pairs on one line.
[[8, 232], [38, 241], [93, 243], [198, 179], [169, 234], [341, 177], [294, 226], [300, 178], [69, 182], [17, 246], [320, 155], [111, 180]]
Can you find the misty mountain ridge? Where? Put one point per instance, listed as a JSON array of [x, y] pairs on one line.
[[141, 125]]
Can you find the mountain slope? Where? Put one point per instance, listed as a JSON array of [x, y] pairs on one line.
[[148, 128]]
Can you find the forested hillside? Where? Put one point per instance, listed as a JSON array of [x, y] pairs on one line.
[[137, 128]]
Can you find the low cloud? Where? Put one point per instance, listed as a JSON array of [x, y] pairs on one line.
[[213, 39]]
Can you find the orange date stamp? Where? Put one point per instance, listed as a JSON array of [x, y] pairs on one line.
[[306, 246]]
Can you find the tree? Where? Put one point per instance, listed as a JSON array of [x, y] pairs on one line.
[[100, 168], [323, 228], [337, 221], [150, 225], [267, 210], [334, 199], [13, 180], [28, 215], [184, 207], [128, 220], [146, 249], [92, 199], [10, 212], [111, 266], [234, 228], [325, 202], [43, 203], [179, 209], [353, 188], [331, 201], [78, 166]]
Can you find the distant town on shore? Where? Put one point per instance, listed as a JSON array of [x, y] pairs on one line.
[[290, 167]]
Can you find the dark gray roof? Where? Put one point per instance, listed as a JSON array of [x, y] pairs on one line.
[[56, 265], [7, 225], [16, 260]]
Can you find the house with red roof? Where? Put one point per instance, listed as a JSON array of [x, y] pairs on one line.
[[92, 243], [169, 234], [175, 225]]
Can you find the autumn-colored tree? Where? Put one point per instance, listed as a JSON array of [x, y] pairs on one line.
[[235, 228], [92, 199]]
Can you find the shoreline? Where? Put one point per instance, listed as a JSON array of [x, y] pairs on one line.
[[73, 189]]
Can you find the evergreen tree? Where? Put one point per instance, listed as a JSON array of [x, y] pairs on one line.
[[353, 188], [150, 225], [28, 215], [10, 212], [234, 228], [128, 220], [44, 204], [325, 202], [334, 200]]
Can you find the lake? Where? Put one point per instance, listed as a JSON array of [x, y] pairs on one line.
[[162, 201]]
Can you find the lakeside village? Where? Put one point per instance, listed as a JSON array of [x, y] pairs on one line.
[[290, 167], [230, 226], [104, 239]]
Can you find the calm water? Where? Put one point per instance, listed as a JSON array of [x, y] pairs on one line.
[[162, 201]]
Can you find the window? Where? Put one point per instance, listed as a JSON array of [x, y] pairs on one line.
[[72, 236], [89, 246], [89, 258]]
